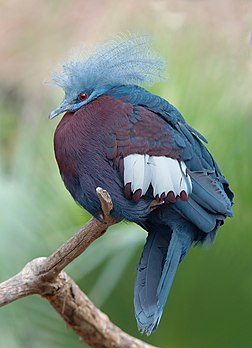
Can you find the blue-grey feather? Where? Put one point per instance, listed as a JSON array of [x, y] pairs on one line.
[[123, 61], [194, 212], [208, 193], [149, 272], [165, 247], [179, 246]]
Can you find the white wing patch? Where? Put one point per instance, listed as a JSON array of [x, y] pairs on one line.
[[168, 177]]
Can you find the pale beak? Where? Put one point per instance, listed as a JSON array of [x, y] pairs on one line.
[[64, 106]]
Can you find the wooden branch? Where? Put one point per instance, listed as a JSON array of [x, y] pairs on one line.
[[75, 246], [44, 276]]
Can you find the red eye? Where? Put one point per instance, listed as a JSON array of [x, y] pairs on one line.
[[83, 96]]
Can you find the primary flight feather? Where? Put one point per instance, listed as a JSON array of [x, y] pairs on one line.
[[137, 146]]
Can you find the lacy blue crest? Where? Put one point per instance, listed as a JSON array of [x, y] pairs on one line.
[[123, 61]]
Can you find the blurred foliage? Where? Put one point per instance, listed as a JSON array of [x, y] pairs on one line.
[[208, 49]]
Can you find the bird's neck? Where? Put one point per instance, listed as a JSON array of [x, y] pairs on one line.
[[85, 134], [63, 122]]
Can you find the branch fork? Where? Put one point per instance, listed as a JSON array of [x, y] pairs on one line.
[[44, 276]]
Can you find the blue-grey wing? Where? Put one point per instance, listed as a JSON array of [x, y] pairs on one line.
[[211, 199]]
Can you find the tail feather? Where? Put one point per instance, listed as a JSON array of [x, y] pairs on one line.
[[210, 194], [149, 273], [170, 267], [161, 256]]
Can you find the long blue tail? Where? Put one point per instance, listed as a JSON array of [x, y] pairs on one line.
[[163, 251]]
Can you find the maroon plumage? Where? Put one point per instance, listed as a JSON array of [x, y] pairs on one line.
[[108, 129]]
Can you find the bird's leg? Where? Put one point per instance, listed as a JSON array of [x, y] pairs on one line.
[[155, 204]]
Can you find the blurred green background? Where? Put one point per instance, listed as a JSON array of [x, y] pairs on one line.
[[208, 46]]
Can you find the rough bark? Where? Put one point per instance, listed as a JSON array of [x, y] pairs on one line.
[[45, 277]]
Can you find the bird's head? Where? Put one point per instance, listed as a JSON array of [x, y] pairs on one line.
[[126, 60]]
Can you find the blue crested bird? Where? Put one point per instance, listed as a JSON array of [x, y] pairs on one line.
[[137, 146]]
